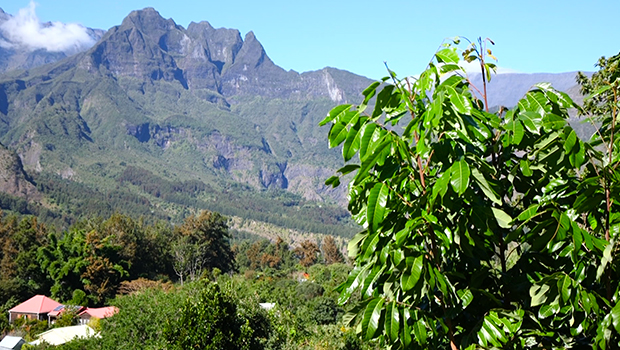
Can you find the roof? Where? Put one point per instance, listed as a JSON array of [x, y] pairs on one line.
[[11, 342], [38, 304], [267, 306], [62, 308], [57, 336], [101, 312]]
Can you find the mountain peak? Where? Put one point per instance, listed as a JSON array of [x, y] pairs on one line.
[[202, 25], [148, 20]]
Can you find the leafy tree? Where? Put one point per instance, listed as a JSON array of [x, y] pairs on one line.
[[203, 242], [324, 311], [597, 205], [481, 230], [20, 273], [64, 261], [95, 256], [141, 319], [214, 321], [188, 258]]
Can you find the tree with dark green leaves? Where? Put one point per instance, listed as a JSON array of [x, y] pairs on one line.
[[214, 320], [64, 261], [20, 273], [481, 230]]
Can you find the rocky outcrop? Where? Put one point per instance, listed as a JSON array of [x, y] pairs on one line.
[[13, 179]]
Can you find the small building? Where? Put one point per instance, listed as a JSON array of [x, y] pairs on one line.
[[101, 312], [12, 343], [58, 336], [35, 308]]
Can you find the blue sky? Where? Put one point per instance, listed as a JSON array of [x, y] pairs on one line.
[[530, 36]]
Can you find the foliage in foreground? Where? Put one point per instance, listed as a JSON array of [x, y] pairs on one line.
[[482, 230]]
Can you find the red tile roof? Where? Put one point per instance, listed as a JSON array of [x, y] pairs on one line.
[[38, 304], [101, 312]]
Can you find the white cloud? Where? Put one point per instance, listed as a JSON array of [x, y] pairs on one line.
[[25, 29]]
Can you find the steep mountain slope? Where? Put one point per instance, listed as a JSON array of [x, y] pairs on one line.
[[174, 104]]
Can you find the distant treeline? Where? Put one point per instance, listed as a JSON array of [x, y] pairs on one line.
[[280, 208], [69, 201]]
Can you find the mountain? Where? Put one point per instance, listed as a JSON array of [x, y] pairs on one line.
[[16, 55], [181, 118]]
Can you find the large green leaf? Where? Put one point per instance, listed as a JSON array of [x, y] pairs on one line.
[[459, 176], [352, 142], [335, 113], [516, 128], [485, 187], [367, 133], [394, 317], [447, 55], [375, 156], [565, 285], [460, 102], [410, 278], [405, 335], [570, 141], [441, 185], [368, 93], [419, 330], [492, 333], [337, 134], [532, 121], [376, 210], [373, 320], [503, 220]]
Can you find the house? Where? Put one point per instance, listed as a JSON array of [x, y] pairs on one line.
[[35, 308], [58, 336], [101, 312], [12, 343]]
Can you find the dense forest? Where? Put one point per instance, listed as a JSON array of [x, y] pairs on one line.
[[140, 193], [151, 271]]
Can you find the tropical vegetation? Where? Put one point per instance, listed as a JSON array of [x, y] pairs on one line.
[[481, 229]]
